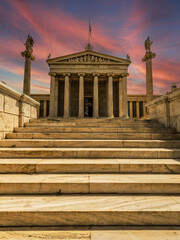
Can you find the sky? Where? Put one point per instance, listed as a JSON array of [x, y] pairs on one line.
[[119, 27]]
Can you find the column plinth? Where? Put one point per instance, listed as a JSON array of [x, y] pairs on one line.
[[110, 96], [95, 96], [66, 95], [81, 95]]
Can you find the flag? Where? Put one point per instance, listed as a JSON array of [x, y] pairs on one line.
[[90, 29]]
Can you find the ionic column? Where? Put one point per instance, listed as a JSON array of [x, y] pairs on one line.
[[56, 98], [81, 95], [137, 109], [66, 94], [130, 109], [120, 97], [148, 59], [144, 108], [124, 95], [95, 96], [52, 89], [44, 108], [110, 95]]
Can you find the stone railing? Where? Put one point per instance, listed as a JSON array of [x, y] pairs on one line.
[[166, 109], [15, 109]]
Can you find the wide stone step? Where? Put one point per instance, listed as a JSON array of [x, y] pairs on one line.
[[89, 143], [91, 233], [91, 130], [92, 120], [92, 124], [90, 153], [90, 210], [122, 136], [89, 183], [37, 165]]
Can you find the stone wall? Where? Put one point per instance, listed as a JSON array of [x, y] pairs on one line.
[[166, 109], [15, 109]]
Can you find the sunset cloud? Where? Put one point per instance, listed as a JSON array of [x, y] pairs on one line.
[[119, 28]]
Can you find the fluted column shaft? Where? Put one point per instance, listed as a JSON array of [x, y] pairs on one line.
[[81, 94], [137, 109], [52, 96], [44, 108], [110, 96], [95, 96], [121, 97], [66, 95]]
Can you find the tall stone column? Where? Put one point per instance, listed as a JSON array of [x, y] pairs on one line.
[[130, 109], [56, 97], [124, 98], [27, 68], [52, 96], [95, 96], [44, 108], [120, 97], [81, 95], [66, 95], [149, 78], [110, 96], [137, 109]]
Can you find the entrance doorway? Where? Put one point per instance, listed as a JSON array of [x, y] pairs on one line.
[[88, 106]]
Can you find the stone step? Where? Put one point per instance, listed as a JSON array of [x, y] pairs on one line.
[[68, 143], [91, 130], [92, 120], [135, 153], [89, 183], [80, 210], [38, 165], [122, 136], [92, 124], [91, 233]]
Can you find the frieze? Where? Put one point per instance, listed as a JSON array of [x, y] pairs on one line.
[[88, 58]]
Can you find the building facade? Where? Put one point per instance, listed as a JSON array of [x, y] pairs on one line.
[[88, 84]]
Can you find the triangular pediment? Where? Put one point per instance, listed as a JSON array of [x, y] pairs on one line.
[[88, 57]]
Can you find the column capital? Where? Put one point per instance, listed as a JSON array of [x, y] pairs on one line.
[[52, 74], [148, 55], [96, 74], [81, 74], [124, 75], [66, 74], [110, 74]]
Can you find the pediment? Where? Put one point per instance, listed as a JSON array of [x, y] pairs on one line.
[[88, 57]]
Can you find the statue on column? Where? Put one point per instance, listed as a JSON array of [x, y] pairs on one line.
[[148, 59], [29, 48], [27, 69], [147, 44]]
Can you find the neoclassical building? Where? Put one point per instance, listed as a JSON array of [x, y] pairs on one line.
[[88, 84]]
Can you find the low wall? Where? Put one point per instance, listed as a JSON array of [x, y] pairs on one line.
[[15, 109], [166, 109]]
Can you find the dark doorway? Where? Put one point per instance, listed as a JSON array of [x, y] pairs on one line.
[[88, 106]]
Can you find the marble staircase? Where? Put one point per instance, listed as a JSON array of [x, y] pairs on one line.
[[90, 179]]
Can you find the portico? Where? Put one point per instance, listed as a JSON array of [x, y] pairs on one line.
[[88, 84]]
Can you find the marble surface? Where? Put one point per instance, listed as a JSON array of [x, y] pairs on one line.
[[89, 210], [105, 234], [91, 152], [89, 143], [89, 183]]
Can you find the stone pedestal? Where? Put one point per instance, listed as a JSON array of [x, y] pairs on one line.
[[95, 96], [81, 95]]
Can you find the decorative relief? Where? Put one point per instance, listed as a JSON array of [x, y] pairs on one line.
[[87, 59]]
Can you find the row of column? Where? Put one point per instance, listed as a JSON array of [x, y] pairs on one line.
[[137, 109], [123, 111]]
